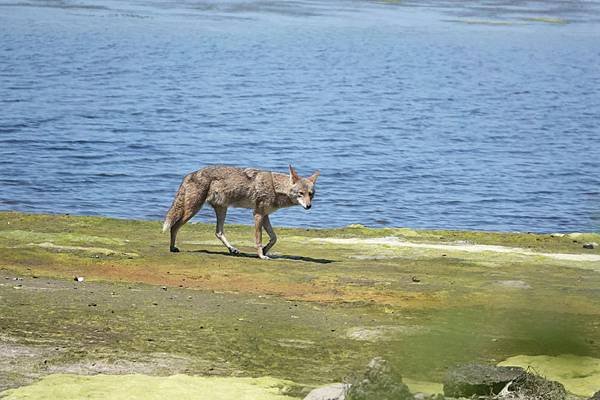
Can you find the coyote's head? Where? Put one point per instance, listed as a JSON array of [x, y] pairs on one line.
[[302, 190]]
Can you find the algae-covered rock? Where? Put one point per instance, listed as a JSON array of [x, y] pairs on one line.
[[580, 375], [504, 382], [534, 387], [478, 379], [379, 382], [334, 391]]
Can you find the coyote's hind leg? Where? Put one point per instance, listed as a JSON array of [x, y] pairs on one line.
[[221, 213], [188, 201], [174, 230]]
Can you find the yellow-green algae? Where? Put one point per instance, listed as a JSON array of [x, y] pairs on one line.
[[580, 375], [142, 387], [204, 312], [417, 386], [66, 238]]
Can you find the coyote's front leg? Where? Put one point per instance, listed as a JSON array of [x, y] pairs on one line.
[[258, 225], [271, 233]]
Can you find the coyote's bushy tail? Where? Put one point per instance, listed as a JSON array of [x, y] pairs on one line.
[[175, 212], [166, 225]]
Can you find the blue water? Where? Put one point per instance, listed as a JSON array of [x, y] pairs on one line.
[[447, 114]]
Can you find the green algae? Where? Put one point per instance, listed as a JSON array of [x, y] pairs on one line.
[[64, 238], [141, 387], [302, 316], [579, 374], [417, 386]]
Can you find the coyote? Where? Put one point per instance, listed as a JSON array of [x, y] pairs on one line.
[[221, 187]]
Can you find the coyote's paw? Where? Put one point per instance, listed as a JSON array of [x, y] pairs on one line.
[[234, 251], [174, 250], [263, 257]]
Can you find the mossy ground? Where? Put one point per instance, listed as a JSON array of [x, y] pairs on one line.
[[313, 315]]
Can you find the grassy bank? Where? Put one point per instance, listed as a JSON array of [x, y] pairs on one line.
[[330, 300]]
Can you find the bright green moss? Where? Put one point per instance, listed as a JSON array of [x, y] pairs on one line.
[[141, 387]]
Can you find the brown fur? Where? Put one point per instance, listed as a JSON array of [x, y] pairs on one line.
[[220, 186]]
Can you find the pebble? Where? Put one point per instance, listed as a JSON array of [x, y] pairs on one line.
[[590, 245], [79, 279]]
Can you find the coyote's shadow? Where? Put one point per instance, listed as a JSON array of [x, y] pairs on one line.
[[274, 257]]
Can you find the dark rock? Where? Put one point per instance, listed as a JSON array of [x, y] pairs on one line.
[[379, 382], [590, 245], [478, 379], [534, 387], [596, 396]]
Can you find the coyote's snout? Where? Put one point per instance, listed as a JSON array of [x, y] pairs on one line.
[[263, 191]]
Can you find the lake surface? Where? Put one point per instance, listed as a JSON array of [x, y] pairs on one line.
[[438, 114]]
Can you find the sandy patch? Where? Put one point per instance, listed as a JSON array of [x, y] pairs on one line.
[[514, 284], [94, 250], [468, 248], [381, 333]]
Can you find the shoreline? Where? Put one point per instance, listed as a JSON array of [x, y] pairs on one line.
[[203, 219]]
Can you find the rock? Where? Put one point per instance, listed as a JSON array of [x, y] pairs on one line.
[[79, 279], [379, 382], [596, 396], [478, 379], [590, 245], [335, 391], [534, 387], [557, 235]]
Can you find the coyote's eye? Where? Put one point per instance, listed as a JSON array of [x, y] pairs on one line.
[[300, 193]]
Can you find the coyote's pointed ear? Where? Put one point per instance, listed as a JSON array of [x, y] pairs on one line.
[[293, 175], [313, 177]]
